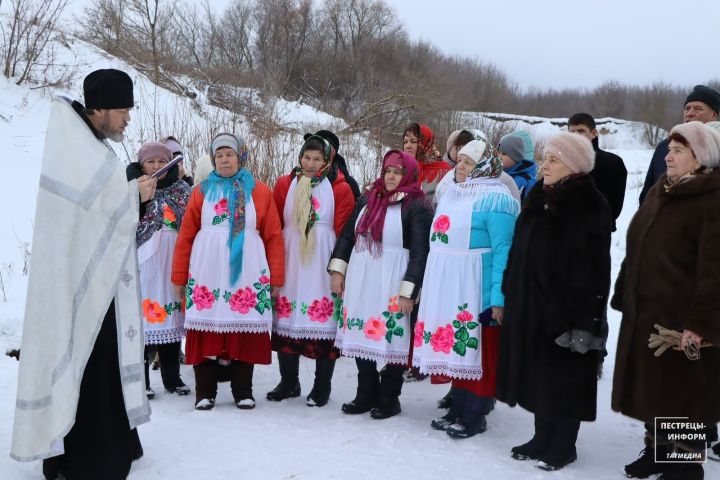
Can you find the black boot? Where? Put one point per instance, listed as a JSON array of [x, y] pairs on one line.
[[169, 354], [391, 382], [289, 386], [365, 398], [683, 471], [538, 444], [645, 466], [562, 446], [453, 416], [446, 401], [241, 374], [320, 393], [472, 416], [206, 374]]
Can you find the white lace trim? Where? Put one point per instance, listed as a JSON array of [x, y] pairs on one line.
[[172, 335], [305, 333], [453, 371], [361, 351], [214, 326]]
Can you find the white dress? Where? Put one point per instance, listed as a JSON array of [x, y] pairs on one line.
[[305, 307], [372, 326], [162, 314], [212, 304], [447, 338]]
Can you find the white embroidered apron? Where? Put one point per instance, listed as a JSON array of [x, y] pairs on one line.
[[372, 326], [305, 307], [163, 318], [447, 332], [212, 304]]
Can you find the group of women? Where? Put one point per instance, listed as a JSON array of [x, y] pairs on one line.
[[455, 271]]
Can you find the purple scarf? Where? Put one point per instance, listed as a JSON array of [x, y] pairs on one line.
[[370, 227]]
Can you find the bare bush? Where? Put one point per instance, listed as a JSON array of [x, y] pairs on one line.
[[28, 30]]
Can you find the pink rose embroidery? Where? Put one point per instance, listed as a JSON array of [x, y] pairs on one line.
[[464, 316], [344, 312], [221, 207], [203, 298], [442, 340], [264, 279], [321, 310], [283, 307], [375, 329], [315, 203], [442, 224], [393, 306], [419, 332], [243, 300]]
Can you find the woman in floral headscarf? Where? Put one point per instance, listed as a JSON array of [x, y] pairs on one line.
[[457, 332], [229, 260], [314, 203], [419, 141], [377, 267], [160, 220]]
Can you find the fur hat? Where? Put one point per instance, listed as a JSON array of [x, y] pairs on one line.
[[706, 95], [573, 150], [108, 89], [704, 142], [154, 150], [474, 149], [512, 146]]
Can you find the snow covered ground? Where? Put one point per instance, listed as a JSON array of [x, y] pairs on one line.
[[288, 440]]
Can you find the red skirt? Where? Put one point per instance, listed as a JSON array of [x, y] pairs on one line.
[[244, 347], [485, 387]]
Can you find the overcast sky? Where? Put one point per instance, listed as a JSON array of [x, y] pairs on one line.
[[578, 43], [570, 43]]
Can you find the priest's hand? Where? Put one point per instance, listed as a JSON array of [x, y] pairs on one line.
[[690, 337], [406, 305], [147, 187], [337, 283]]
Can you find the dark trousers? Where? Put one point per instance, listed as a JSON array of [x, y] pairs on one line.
[[385, 390], [100, 443], [169, 354], [558, 436]]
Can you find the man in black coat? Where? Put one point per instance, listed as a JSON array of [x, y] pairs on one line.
[[609, 174], [703, 105]]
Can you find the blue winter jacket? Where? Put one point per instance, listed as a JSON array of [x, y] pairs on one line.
[[524, 174]]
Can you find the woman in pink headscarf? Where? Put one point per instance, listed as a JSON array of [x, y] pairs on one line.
[[377, 267]]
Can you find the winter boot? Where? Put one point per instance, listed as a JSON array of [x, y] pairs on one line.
[[241, 375], [561, 451], [472, 416], [289, 386], [645, 466], [320, 393], [414, 375], [537, 445], [365, 398], [446, 401], [206, 375], [688, 470], [150, 393], [170, 366], [391, 382]]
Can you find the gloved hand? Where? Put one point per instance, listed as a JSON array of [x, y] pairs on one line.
[[666, 338]]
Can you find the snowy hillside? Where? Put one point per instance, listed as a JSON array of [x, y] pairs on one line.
[[288, 440]]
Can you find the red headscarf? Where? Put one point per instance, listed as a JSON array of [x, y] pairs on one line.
[[426, 142], [372, 222]]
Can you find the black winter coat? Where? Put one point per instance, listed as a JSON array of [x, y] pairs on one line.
[[657, 168], [416, 220], [610, 176], [557, 279]]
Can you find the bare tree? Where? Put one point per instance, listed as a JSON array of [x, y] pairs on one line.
[[26, 33]]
